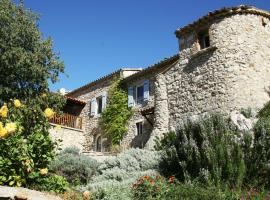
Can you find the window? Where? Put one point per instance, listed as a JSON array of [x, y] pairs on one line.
[[99, 105], [204, 39], [139, 94], [139, 127]]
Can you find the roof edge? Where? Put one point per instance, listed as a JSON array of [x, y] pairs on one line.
[[153, 67], [223, 12], [108, 76]]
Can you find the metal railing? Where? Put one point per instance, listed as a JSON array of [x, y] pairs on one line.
[[67, 120]]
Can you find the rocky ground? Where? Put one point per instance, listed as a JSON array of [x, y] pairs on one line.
[[18, 193]]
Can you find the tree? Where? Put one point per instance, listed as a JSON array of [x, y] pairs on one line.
[[27, 61], [27, 64]]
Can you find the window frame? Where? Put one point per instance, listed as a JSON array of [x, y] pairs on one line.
[[99, 104], [137, 100], [139, 128], [204, 39]]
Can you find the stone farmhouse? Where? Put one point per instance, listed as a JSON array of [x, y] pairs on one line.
[[223, 64]]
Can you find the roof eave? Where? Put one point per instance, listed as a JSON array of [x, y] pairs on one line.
[[223, 12]]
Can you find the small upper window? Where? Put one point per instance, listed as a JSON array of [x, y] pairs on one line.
[[139, 94], [99, 105], [204, 39], [139, 127]]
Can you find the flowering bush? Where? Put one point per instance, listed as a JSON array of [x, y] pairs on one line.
[[160, 188], [24, 155]]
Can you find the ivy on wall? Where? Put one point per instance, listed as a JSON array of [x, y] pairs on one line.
[[116, 115]]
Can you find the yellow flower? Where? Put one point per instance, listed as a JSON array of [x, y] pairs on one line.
[[17, 103], [11, 127], [49, 113], [4, 111], [3, 131], [43, 171]]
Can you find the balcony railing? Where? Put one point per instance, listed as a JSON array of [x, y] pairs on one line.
[[67, 120]]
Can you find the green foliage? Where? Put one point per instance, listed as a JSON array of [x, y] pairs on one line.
[[52, 183], [23, 154], [258, 156], [246, 112], [208, 150], [76, 168], [160, 188], [27, 60], [265, 111], [27, 64], [122, 170], [116, 114], [114, 192]]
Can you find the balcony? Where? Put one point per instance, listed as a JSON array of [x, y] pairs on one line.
[[67, 120]]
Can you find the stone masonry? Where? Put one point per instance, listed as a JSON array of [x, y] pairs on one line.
[[231, 74], [91, 127], [223, 65]]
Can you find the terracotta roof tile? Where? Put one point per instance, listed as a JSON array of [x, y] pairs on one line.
[[77, 101]]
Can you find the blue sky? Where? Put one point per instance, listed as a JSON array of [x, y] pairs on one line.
[[97, 37]]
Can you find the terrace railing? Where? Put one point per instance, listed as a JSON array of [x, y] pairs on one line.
[[67, 120]]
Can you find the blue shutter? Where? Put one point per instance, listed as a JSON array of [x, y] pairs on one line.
[[146, 90], [93, 107], [130, 97], [104, 100]]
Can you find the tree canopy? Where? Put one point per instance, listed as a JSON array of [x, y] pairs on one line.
[[27, 60]]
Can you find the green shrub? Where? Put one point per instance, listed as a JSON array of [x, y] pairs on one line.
[[52, 183], [114, 192], [207, 150], [258, 155], [122, 170], [75, 167], [160, 188], [23, 154]]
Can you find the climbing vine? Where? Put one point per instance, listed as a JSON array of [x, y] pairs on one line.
[[116, 115]]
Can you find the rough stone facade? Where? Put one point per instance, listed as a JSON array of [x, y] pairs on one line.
[[223, 65], [91, 127], [132, 139], [69, 137], [231, 74]]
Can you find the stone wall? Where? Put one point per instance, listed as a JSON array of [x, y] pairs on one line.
[[90, 124], [231, 74], [91, 127], [131, 139], [161, 117], [70, 137]]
